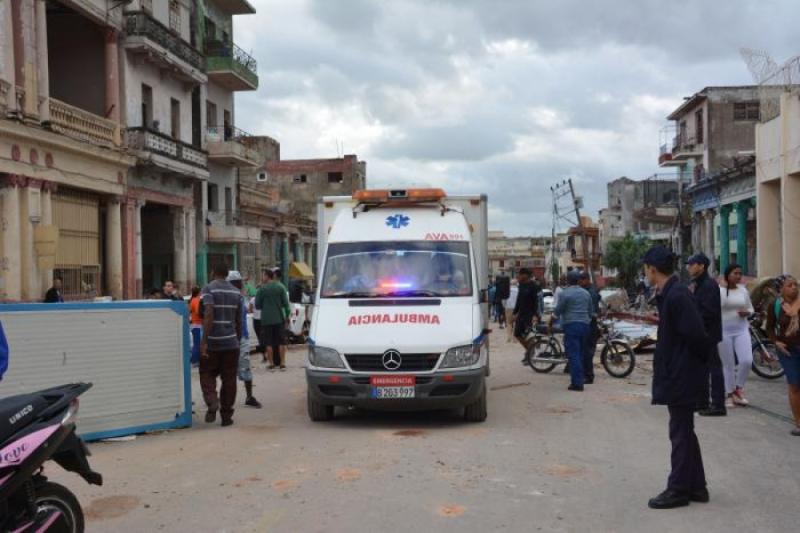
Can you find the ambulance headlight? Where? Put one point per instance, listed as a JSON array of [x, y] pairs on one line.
[[324, 357], [462, 356]]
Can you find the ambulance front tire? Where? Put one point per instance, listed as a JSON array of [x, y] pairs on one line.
[[476, 411], [319, 412]]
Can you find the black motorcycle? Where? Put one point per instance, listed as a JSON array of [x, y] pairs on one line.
[[35, 428]]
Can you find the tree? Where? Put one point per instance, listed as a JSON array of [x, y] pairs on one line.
[[624, 256]]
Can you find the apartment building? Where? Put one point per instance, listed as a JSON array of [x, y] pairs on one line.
[[712, 132], [62, 163], [509, 254]]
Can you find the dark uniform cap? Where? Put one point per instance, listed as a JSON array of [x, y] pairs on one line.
[[573, 277], [658, 256], [699, 259]]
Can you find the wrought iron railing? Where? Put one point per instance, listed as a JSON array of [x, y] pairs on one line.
[[143, 24], [153, 141], [227, 133], [242, 62]]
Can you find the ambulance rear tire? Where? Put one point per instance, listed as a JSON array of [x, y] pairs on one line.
[[476, 411], [319, 412]]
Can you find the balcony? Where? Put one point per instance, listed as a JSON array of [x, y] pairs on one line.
[[83, 125], [225, 146], [167, 153], [160, 45], [684, 147], [231, 67], [225, 229]]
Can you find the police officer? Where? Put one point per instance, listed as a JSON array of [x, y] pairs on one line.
[[707, 297], [679, 370]]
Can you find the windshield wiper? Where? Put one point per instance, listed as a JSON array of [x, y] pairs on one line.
[[413, 293], [353, 294]]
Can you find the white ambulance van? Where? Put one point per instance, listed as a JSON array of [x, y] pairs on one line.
[[400, 317]]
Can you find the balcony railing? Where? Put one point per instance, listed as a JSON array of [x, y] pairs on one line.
[[143, 24], [227, 133], [227, 56], [153, 141], [83, 125]]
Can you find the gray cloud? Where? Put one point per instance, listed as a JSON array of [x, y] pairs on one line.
[[502, 97]]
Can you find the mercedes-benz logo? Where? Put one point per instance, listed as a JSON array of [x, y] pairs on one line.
[[392, 360]]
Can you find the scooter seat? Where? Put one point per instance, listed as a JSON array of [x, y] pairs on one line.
[[16, 412]]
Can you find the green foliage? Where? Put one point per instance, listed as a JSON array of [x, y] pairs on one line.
[[624, 255]]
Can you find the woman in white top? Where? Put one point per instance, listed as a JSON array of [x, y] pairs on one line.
[[736, 307], [509, 304]]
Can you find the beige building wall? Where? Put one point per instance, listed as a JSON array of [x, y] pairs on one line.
[[778, 190]]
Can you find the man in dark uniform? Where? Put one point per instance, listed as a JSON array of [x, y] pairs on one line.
[[502, 291], [591, 338], [527, 305], [707, 298], [679, 372]]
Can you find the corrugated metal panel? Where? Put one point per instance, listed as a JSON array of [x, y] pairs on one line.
[[135, 354]]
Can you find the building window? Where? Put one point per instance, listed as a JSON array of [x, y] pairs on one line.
[[175, 108], [502, 263], [147, 106], [211, 114], [335, 177], [698, 126], [175, 16], [300, 178], [746, 111], [213, 198]]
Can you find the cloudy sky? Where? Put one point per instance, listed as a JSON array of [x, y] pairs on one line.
[[503, 97]]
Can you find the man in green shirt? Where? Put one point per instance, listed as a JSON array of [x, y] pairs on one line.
[[249, 290], [273, 302]]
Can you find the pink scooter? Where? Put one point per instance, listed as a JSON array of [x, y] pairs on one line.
[[35, 428]]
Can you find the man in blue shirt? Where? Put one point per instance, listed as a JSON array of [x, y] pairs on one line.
[[574, 311]]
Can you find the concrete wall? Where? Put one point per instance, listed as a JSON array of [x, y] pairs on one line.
[[137, 72], [727, 137], [76, 61], [223, 98], [6, 43]]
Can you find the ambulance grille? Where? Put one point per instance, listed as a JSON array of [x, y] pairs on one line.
[[411, 362]]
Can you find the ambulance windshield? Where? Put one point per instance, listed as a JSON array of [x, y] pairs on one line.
[[397, 269]]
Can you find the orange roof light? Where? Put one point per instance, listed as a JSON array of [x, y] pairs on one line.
[[399, 195]]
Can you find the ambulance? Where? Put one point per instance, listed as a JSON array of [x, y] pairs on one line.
[[400, 317]]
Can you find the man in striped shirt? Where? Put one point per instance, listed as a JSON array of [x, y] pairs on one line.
[[219, 352]]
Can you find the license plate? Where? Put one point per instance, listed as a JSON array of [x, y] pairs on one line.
[[393, 387]]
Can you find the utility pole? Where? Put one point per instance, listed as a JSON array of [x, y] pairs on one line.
[[582, 230]]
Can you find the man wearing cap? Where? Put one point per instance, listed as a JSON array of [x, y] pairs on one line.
[[591, 338], [574, 311], [679, 370], [245, 372], [707, 297]]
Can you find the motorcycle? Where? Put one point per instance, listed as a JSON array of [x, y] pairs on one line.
[[35, 428], [765, 354]]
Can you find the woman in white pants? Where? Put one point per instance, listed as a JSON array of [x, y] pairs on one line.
[[736, 345]]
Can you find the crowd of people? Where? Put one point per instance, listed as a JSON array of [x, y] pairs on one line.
[[222, 341]]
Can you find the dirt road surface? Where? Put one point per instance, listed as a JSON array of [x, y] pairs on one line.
[[546, 460]]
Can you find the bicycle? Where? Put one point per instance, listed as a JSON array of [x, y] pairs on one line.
[[545, 351]]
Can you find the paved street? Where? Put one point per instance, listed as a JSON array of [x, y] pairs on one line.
[[546, 460]]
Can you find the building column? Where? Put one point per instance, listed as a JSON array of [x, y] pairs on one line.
[[114, 248], [179, 246], [10, 266], [285, 258], [112, 80], [28, 207], [724, 237], [709, 238], [46, 276], [741, 234], [41, 60], [138, 249], [790, 199], [191, 248]]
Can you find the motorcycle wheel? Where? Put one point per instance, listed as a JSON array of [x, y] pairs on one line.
[[542, 348], [618, 359], [52, 497], [766, 364]]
